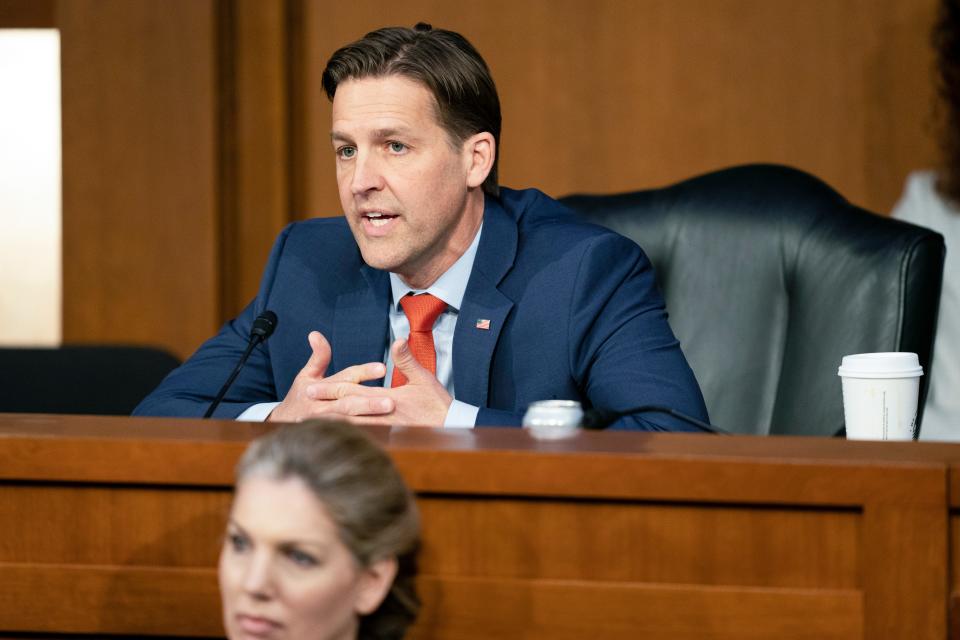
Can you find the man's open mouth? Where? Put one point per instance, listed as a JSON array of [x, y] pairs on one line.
[[378, 219]]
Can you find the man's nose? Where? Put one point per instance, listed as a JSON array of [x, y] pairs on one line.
[[367, 174]]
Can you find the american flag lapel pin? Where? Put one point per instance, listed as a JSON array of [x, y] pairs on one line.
[[483, 323]]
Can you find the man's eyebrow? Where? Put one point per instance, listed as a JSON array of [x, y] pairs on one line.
[[390, 132], [377, 134]]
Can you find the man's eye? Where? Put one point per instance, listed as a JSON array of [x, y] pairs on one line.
[[397, 147], [301, 559], [346, 152]]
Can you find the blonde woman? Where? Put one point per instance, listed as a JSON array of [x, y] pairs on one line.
[[321, 539]]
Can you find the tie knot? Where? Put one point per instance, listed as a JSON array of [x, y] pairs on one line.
[[422, 310]]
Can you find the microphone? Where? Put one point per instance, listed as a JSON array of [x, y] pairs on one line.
[[596, 419], [263, 327]]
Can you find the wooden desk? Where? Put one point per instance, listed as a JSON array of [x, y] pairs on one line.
[[112, 525]]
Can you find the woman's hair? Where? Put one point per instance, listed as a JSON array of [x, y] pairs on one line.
[[946, 43], [366, 498]]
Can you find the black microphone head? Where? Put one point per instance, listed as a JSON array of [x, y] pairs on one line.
[[264, 325]]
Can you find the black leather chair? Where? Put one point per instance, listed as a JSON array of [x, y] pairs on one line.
[[770, 278], [102, 380]]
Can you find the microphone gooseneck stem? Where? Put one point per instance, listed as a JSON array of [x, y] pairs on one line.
[[263, 327], [254, 341]]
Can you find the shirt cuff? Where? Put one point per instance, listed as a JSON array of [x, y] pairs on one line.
[[258, 412], [461, 415]]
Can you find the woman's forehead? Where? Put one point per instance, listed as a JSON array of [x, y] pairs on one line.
[[284, 509]]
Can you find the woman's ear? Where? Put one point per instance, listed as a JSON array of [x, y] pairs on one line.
[[481, 151], [375, 582]]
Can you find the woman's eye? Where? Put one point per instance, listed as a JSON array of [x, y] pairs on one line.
[[301, 559], [237, 542], [346, 152], [397, 147]]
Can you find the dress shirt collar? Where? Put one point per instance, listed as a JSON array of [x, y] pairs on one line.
[[450, 286]]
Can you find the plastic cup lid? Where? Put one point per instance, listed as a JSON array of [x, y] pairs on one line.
[[895, 364]]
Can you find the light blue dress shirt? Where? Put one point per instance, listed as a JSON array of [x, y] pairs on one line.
[[449, 287]]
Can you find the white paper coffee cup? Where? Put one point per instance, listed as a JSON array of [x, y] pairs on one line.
[[880, 392]]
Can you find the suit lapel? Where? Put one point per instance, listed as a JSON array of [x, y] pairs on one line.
[[361, 327], [473, 346]]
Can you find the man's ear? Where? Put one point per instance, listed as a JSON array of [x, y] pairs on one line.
[[375, 582], [480, 150]]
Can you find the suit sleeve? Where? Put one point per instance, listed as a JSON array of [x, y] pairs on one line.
[[498, 418], [623, 352], [189, 389]]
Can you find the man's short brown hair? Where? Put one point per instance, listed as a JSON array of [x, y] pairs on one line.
[[441, 60]]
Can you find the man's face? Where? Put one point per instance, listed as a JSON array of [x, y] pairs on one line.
[[404, 186]]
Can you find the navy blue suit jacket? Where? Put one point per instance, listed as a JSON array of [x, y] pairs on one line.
[[573, 308]]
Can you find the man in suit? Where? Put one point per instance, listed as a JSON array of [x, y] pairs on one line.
[[439, 298]]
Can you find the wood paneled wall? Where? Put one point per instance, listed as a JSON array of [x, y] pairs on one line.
[[617, 95], [194, 129], [140, 171]]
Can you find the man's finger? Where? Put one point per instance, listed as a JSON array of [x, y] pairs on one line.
[[404, 361], [360, 406], [319, 357], [359, 373], [356, 406], [329, 390]]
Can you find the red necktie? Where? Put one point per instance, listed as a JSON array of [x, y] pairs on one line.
[[422, 311]]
